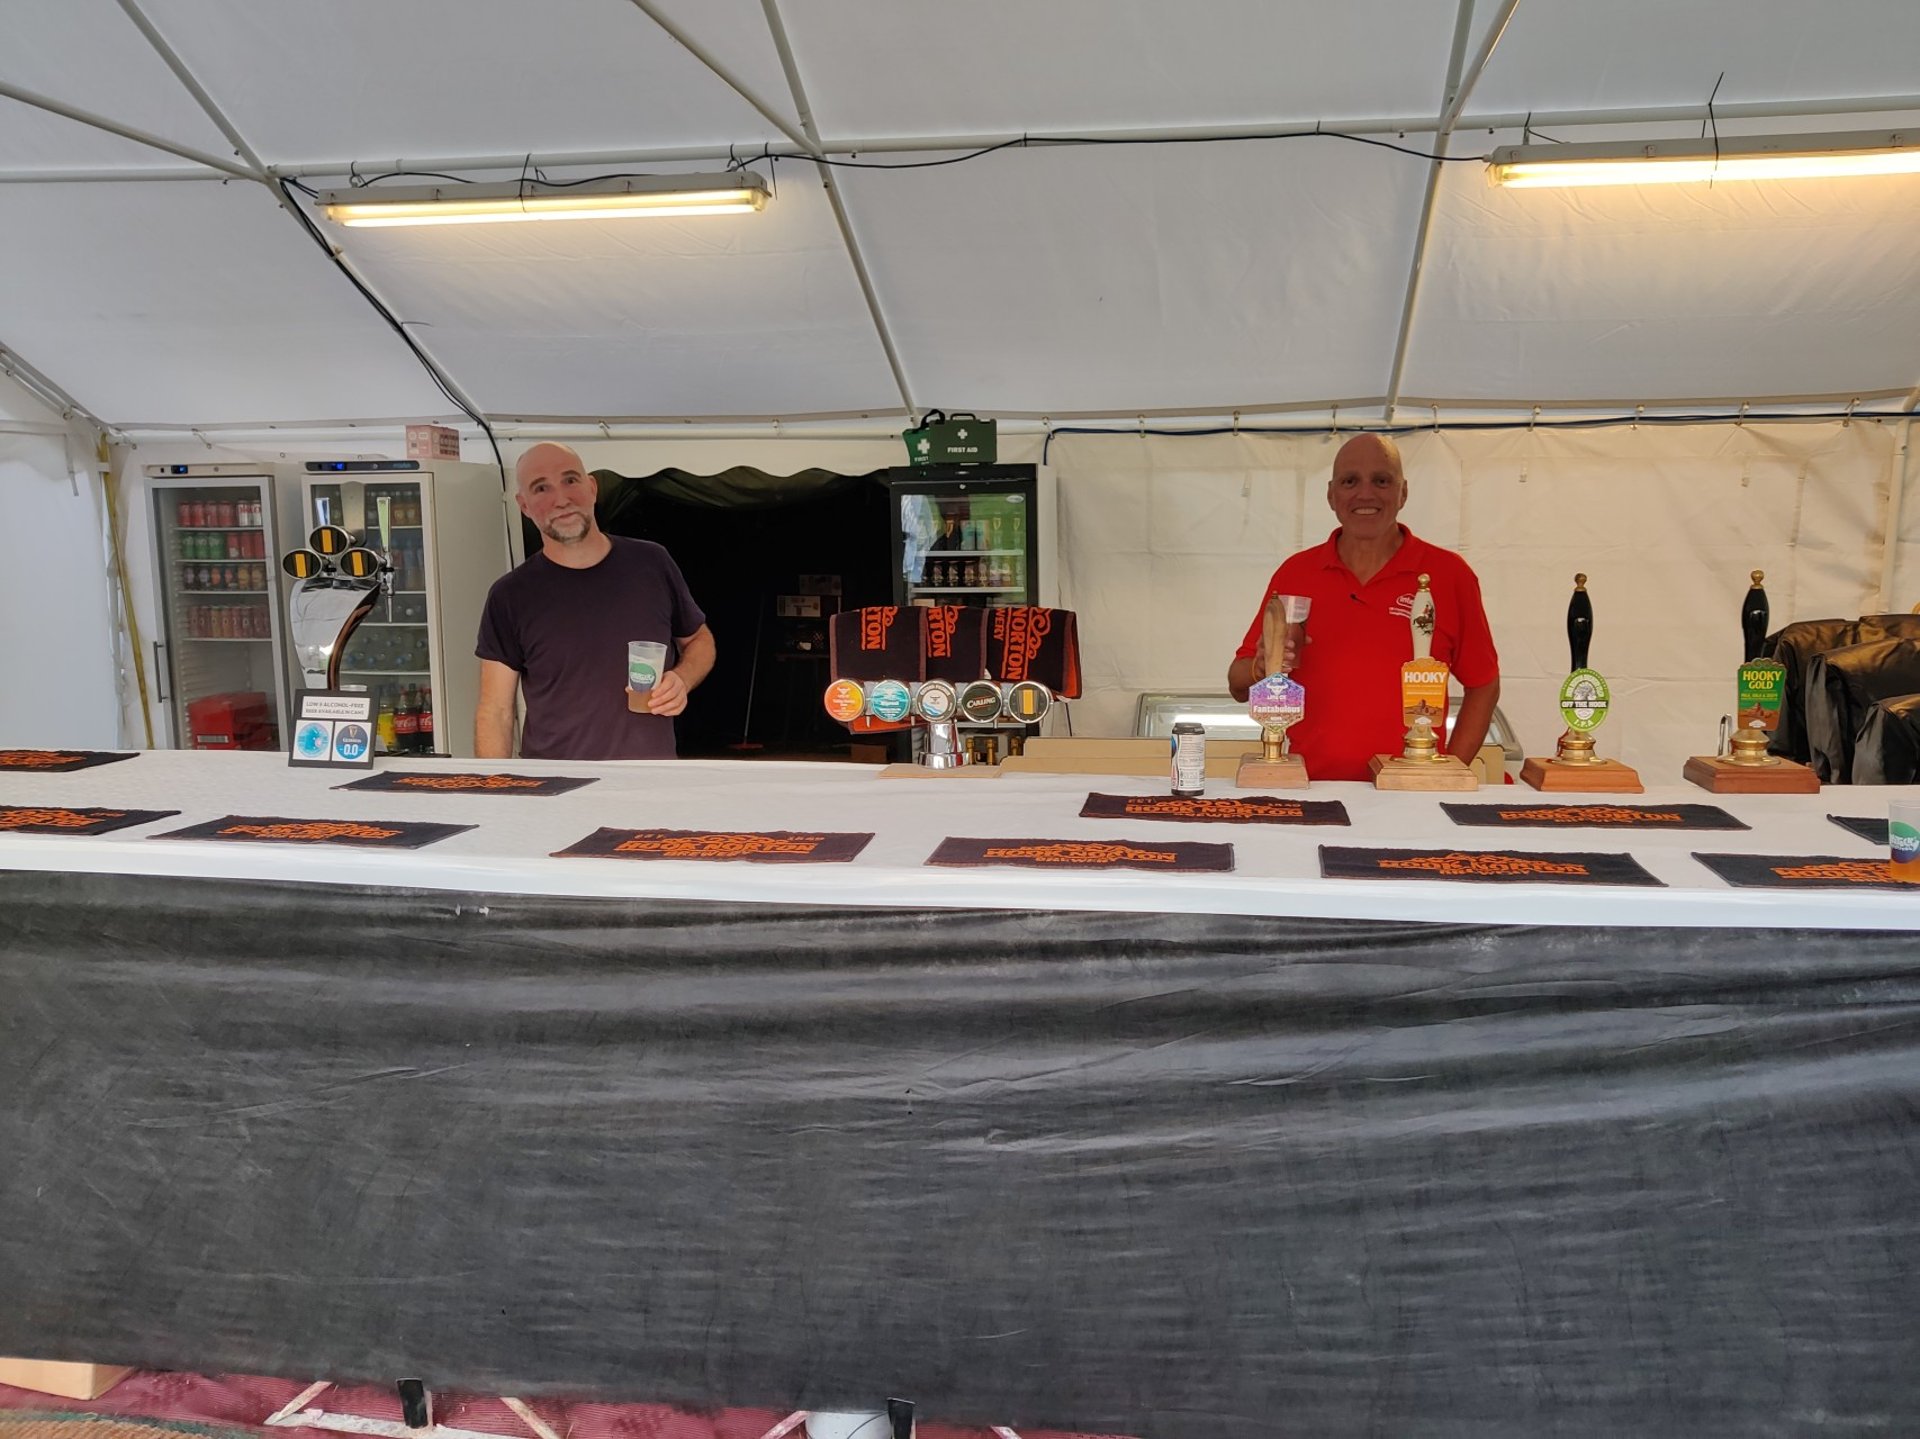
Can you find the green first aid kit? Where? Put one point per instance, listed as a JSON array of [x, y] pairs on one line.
[[961, 439]]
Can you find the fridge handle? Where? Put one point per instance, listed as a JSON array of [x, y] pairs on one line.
[[159, 674]]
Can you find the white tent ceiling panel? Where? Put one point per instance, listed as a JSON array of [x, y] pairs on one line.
[[926, 67], [87, 54], [1668, 292], [745, 315], [193, 302], [1144, 277], [1571, 54], [736, 34], [370, 81]]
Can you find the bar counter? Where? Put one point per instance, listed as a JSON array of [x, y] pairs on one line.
[[1216, 1154]]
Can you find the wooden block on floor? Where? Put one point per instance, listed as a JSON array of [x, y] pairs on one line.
[[1723, 776], [69, 1381], [1603, 776]]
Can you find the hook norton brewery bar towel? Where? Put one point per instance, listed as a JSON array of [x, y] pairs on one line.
[[1189, 1176]]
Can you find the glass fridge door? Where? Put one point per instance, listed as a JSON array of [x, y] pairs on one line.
[[390, 653], [965, 542], [219, 616]]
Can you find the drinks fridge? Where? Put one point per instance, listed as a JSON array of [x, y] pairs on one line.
[[447, 541], [971, 535], [218, 664]]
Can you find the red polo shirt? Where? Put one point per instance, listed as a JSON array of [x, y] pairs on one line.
[[1359, 635]]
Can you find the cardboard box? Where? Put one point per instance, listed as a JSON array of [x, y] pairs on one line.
[[69, 1381], [432, 442]]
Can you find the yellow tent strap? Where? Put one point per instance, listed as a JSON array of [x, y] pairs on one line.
[[108, 489]]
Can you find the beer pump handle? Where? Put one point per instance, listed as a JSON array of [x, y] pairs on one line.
[[1579, 623], [1753, 619]]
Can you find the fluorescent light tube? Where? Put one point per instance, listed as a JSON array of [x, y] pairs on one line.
[[1677, 162], [513, 201]]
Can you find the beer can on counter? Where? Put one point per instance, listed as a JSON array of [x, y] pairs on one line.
[[1189, 759]]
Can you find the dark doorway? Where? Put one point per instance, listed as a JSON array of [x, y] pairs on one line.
[[744, 539]]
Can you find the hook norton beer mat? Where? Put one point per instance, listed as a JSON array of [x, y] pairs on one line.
[[1148, 854], [358, 833], [422, 782], [1803, 871], [1873, 831], [56, 761], [1251, 809], [48, 819], [1594, 816], [1487, 866], [777, 846]]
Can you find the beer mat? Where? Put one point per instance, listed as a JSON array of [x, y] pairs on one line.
[[428, 782], [1246, 809], [1873, 831], [775, 846], [1594, 816], [48, 819], [1157, 856], [358, 833], [57, 761], [1485, 866], [1803, 871]]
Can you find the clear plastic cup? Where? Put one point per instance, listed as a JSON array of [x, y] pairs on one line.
[[646, 662], [1903, 839]]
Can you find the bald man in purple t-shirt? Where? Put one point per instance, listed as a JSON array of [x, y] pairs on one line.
[[560, 624]]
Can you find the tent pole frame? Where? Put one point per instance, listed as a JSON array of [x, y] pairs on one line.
[[791, 67], [1460, 86]]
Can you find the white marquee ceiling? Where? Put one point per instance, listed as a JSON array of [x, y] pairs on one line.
[[1173, 277]]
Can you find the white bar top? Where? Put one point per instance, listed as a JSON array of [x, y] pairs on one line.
[[1276, 869]]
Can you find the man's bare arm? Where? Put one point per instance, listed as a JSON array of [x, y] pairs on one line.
[[1470, 725], [493, 712]]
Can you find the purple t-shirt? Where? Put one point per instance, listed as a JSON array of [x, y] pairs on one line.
[[565, 631]]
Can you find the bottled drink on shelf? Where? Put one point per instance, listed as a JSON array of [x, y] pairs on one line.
[[383, 723], [426, 719], [406, 723]]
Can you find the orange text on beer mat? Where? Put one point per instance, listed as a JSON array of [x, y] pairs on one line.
[[1214, 808], [1482, 864], [1021, 630], [313, 829], [1854, 871], [1087, 852], [56, 818], [35, 758], [1591, 814], [454, 781], [875, 621], [718, 846]]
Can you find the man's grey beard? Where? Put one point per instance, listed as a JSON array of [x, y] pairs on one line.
[[551, 528]]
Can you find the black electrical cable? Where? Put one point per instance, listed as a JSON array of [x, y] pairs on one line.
[[319, 238], [1593, 422]]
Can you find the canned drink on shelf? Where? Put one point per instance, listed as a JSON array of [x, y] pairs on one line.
[[1189, 760]]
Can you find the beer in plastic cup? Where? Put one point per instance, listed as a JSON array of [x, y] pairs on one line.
[[646, 662], [1903, 839]]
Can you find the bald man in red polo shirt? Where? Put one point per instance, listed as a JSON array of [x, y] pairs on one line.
[[1362, 582]]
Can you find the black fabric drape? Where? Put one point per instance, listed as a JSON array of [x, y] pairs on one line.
[[1170, 1175]]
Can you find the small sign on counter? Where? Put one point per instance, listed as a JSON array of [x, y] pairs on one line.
[[332, 729]]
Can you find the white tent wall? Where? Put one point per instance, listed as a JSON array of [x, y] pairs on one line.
[[1167, 544], [58, 666]]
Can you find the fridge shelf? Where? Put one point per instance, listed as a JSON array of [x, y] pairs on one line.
[[228, 639], [968, 589], [970, 554], [228, 594], [384, 674], [212, 529]]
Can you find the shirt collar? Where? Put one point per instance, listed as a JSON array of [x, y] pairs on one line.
[[1410, 558]]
